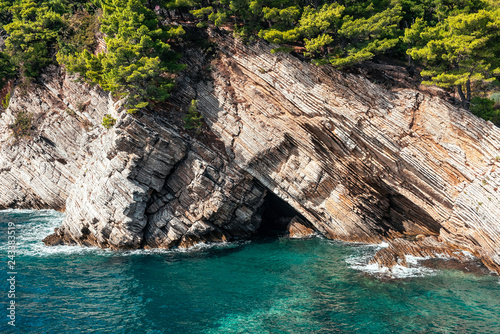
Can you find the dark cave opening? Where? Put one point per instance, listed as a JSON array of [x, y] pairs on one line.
[[276, 216]]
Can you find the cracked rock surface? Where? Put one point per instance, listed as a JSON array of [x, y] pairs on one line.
[[138, 184], [357, 160], [360, 161]]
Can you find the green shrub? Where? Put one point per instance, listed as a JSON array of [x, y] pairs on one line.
[[485, 108], [5, 101], [193, 119], [108, 121], [23, 125]]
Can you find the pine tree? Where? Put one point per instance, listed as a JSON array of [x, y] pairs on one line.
[[32, 37], [318, 44], [285, 17], [193, 119], [459, 51], [138, 60], [319, 21], [7, 69], [5, 14], [366, 37]]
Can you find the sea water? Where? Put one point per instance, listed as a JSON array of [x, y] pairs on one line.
[[273, 285]]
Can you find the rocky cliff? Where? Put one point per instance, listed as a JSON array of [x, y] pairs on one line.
[[138, 184], [358, 160]]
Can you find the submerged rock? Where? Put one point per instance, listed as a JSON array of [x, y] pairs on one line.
[[398, 249]]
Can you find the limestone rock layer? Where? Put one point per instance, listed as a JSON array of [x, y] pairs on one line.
[[358, 160], [139, 184]]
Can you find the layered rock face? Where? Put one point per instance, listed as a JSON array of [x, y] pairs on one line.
[[139, 184], [358, 160], [361, 162], [146, 186], [39, 173]]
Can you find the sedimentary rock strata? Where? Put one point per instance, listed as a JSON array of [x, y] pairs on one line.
[[360, 161], [138, 184], [421, 247], [298, 228], [39, 171]]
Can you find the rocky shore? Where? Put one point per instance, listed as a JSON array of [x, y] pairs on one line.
[[352, 158]]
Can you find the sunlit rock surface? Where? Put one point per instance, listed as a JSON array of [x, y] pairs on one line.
[[361, 161]]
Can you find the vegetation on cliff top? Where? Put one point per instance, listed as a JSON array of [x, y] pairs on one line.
[[457, 42], [34, 29], [137, 59]]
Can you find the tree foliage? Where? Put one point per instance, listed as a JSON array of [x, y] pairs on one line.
[[5, 14], [7, 69], [369, 36], [456, 41], [193, 119], [486, 109], [138, 60], [34, 31], [32, 37], [459, 51]]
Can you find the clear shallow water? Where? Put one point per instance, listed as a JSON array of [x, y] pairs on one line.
[[266, 286]]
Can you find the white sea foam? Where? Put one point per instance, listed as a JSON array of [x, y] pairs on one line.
[[361, 262], [202, 246], [28, 211], [35, 225]]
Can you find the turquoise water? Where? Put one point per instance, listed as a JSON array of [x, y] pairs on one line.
[[265, 286]]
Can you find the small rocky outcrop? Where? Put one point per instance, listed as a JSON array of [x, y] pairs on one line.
[[423, 247], [298, 228]]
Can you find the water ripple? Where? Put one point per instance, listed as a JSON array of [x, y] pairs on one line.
[[264, 286]]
